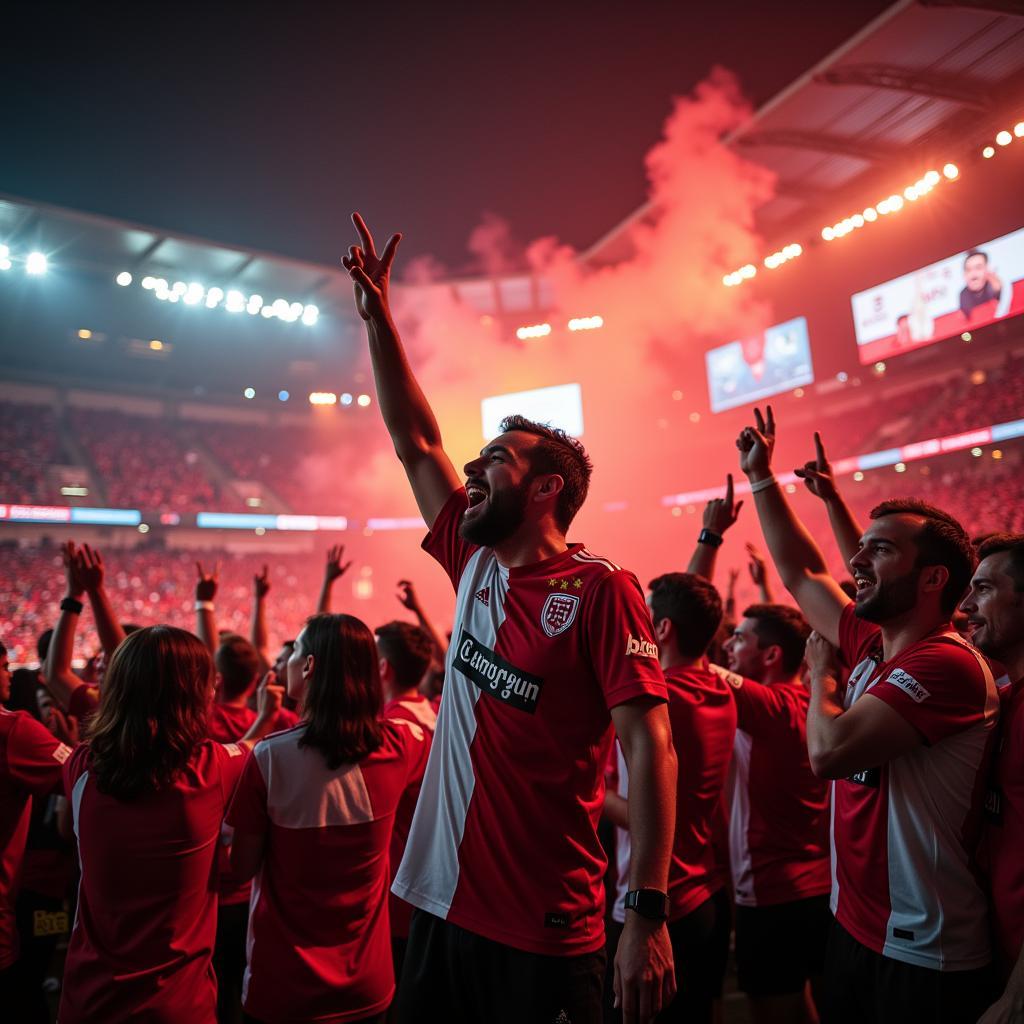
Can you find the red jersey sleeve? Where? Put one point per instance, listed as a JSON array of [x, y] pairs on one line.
[[35, 757], [765, 710], [84, 701], [856, 636], [940, 688], [248, 810], [619, 638], [416, 744], [285, 720], [443, 541], [232, 759], [74, 766]]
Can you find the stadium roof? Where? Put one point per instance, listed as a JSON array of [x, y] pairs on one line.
[[924, 80]]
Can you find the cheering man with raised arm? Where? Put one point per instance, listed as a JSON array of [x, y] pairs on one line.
[[551, 645], [908, 743]]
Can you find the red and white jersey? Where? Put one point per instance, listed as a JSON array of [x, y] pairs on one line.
[[147, 899], [905, 833], [1004, 833], [703, 717], [420, 710], [228, 724], [319, 945], [779, 820], [31, 764], [504, 840]]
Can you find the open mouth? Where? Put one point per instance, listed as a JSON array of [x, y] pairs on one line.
[[477, 495], [862, 582]]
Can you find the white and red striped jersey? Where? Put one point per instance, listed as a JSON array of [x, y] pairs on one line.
[[504, 839], [905, 833], [319, 946], [779, 820]]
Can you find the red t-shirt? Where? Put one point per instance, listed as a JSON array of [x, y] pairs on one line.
[[84, 701], [228, 724], [905, 833], [420, 710], [504, 839], [703, 717], [319, 942], [31, 760], [147, 905], [1004, 831], [778, 824]]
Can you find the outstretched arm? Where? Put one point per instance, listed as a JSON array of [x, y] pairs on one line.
[[821, 482], [759, 574], [719, 515], [58, 676], [333, 571], [90, 570], [206, 619], [407, 414], [407, 595], [798, 559], [259, 638]]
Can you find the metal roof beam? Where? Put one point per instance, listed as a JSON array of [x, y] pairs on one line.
[[992, 6], [919, 83], [819, 143], [149, 252]]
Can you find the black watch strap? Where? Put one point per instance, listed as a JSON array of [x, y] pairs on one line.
[[707, 536], [70, 604], [649, 903]]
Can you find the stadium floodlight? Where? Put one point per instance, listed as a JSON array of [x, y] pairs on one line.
[[280, 308], [267, 312], [5, 263], [179, 288], [149, 283], [586, 323], [533, 331], [323, 398], [346, 398], [194, 294], [254, 305], [235, 302], [310, 315], [1004, 138], [249, 392], [988, 152], [124, 279], [283, 396], [932, 178], [951, 171], [4, 252], [870, 214], [36, 263], [363, 401], [827, 233]]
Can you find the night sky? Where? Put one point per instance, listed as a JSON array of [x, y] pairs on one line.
[[264, 125]]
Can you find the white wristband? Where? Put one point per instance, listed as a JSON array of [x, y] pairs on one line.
[[204, 606], [763, 485]]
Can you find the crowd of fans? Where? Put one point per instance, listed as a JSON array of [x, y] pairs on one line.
[[28, 447]]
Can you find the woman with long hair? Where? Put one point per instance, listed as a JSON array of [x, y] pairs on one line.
[[312, 821], [148, 793]]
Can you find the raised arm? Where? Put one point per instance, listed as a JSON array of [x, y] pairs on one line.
[[821, 482], [644, 976], [90, 570], [407, 595], [798, 559], [258, 627], [758, 570], [206, 619], [58, 676], [407, 414], [719, 515], [333, 571]]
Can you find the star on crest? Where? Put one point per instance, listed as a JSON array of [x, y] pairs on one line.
[[577, 583], [552, 582], [564, 585]]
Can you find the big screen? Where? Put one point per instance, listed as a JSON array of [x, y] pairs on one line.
[[960, 293], [776, 359], [558, 406]]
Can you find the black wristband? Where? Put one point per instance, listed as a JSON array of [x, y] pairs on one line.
[[649, 903], [71, 604], [707, 536]]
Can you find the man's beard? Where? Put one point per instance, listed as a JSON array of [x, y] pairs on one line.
[[890, 600], [506, 510]]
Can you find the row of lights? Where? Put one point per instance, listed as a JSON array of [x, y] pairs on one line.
[[577, 323], [234, 301], [1004, 138], [771, 262], [35, 262], [330, 398], [891, 204]]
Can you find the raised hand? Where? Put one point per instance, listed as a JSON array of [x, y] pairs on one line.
[[269, 697], [370, 273], [334, 569], [261, 583], [89, 564], [721, 513], [206, 583], [72, 569], [756, 565], [407, 595], [817, 474], [64, 727], [756, 445]]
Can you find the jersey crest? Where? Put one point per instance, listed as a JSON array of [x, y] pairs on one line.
[[558, 613]]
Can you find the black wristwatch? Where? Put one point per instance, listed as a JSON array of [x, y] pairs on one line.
[[71, 604], [707, 536], [649, 903]]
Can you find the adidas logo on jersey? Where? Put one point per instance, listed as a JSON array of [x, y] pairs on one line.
[[484, 596], [642, 647]]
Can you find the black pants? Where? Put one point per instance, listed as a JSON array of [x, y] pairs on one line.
[[229, 960], [864, 987], [453, 975], [36, 948], [700, 949]]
